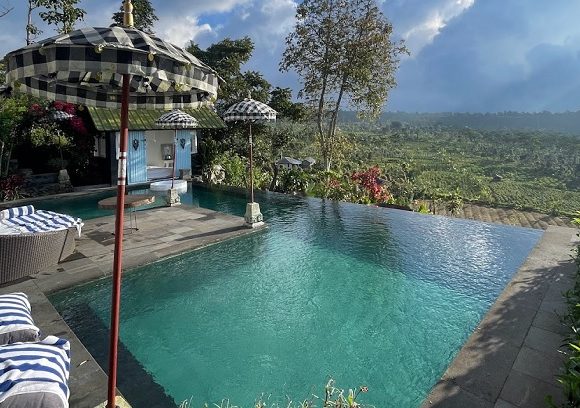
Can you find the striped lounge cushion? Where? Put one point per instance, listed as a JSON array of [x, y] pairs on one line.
[[16, 323], [35, 375], [16, 212], [43, 221]]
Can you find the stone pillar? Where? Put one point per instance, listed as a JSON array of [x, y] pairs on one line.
[[253, 215], [64, 184], [172, 198]]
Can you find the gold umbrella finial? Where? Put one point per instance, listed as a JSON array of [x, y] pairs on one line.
[[128, 14]]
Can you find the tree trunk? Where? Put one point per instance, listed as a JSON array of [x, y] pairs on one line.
[[8, 156], [275, 178], [29, 22], [1, 156]]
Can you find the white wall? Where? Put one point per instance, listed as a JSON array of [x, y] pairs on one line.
[[155, 138]]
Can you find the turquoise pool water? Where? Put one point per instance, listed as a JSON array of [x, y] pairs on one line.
[[367, 295]]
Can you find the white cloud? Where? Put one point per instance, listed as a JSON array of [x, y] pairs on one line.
[[420, 29], [196, 8], [182, 30]]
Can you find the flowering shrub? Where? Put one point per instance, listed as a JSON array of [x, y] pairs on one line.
[[10, 187], [369, 180]]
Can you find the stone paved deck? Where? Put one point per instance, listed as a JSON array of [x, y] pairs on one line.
[[512, 359], [508, 216], [162, 232]]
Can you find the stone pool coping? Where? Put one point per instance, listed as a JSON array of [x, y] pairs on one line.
[[164, 232], [512, 358]]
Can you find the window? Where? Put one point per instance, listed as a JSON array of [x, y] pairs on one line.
[[194, 142], [100, 149]]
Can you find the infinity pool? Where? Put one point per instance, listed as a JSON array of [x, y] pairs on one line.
[[367, 295]]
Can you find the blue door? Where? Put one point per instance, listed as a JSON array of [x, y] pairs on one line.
[[137, 157], [183, 150]]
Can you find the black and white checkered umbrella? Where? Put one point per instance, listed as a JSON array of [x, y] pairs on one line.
[[86, 66], [249, 110], [177, 119]]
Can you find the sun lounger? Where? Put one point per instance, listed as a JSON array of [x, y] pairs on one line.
[[33, 373], [32, 241]]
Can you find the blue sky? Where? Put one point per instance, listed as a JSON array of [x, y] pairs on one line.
[[467, 55]]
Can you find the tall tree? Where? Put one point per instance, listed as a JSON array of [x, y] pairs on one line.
[[143, 15], [32, 30], [61, 13], [343, 52]]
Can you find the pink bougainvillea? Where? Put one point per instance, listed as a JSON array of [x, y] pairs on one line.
[[77, 125], [369, 180], [36, 109], [69, 108], [57, 105]]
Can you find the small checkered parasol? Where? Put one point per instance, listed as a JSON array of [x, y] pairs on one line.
[[176, 119], [250, 110]]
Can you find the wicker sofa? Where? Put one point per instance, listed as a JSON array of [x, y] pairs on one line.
[[26, 254]]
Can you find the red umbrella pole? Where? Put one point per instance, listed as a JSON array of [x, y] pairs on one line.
[[251, 167], [118, 257]]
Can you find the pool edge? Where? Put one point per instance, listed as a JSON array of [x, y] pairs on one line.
[[511, 359]]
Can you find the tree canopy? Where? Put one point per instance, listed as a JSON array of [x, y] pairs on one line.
[[343, 52], [143, 15], [227, 57], [281, 102]]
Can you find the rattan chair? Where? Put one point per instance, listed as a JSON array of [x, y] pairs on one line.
[[26, 254]]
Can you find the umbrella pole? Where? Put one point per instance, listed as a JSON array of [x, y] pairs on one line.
[[173, 166], [251, 167], [118, 255]]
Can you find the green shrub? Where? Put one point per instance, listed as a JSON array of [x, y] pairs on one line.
[[234, 168], [333, 398], [570, 378], [293, 181]]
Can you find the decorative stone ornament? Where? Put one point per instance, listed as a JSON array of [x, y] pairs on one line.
[[253, 216], [172, 198]]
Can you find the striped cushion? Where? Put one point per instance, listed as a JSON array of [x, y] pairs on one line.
[[16, 323], [29, 370], [16, 212], [43, 221]]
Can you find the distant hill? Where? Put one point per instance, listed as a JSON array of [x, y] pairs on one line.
[[567, 122]]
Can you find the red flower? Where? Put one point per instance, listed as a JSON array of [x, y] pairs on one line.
[[69, 108], [58, 105], [36, 108], [369, 180], [78, 125]]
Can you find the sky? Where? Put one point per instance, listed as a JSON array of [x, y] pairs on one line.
[[466, 55]]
